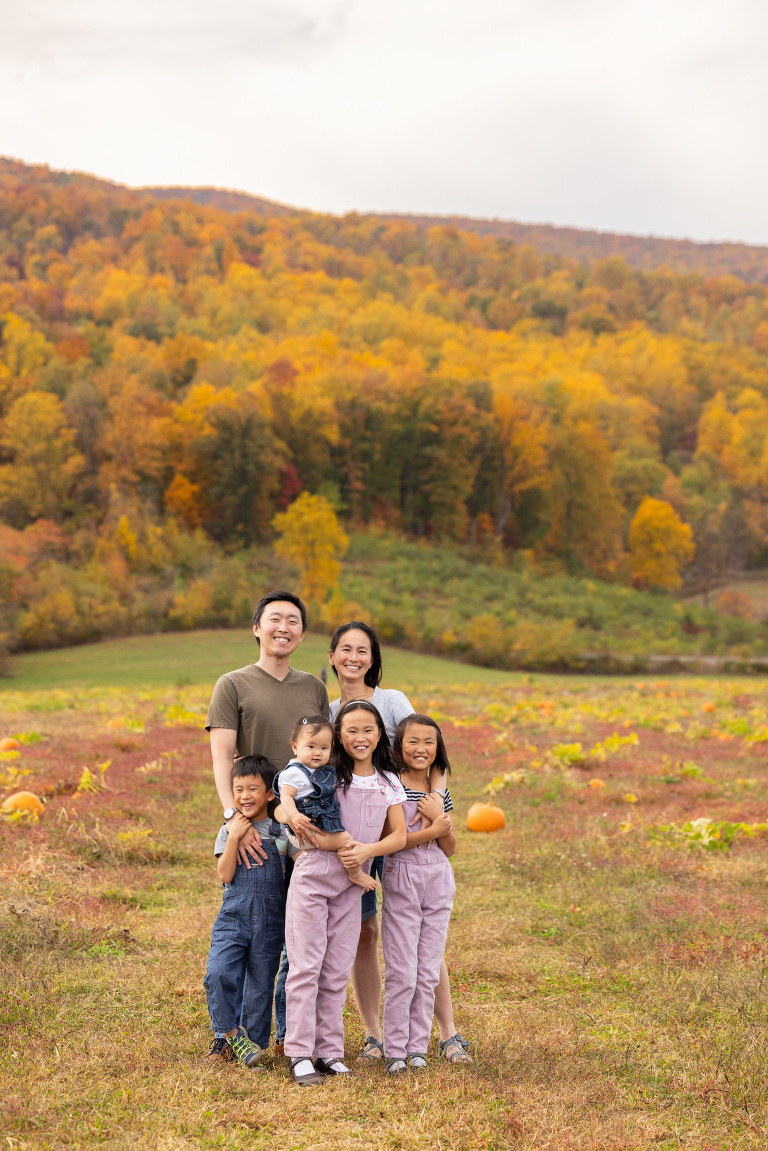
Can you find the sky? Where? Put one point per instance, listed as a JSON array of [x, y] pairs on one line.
[[626, 116]]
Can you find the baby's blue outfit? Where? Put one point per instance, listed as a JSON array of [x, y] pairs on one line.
[[321, 806]]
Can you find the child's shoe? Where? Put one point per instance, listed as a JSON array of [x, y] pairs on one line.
[[332, 1067], [220, 1050], [303, 1072], [396, 1066], [245, 1052], [416, 1061]]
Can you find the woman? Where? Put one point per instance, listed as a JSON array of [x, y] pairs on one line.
[[355, 656]]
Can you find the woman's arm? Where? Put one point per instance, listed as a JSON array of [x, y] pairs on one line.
[[438, 780], [355, 854]]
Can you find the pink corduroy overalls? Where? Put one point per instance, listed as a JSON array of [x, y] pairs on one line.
[[322, 930], [418, 887]]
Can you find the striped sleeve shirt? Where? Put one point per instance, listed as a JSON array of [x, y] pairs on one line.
[[417, 795]]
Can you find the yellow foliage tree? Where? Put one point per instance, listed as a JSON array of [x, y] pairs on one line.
[[46, 463], [660, 544], [23, 351], [311, 536]]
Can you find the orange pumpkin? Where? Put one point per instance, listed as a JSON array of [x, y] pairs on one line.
[[23, 801], [9, 744], [485, 817]]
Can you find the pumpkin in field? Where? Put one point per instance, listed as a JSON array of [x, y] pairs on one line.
[[25, 802], [9, 744], [485, 817]]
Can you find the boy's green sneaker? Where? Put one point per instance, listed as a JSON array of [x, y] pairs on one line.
[[245, 1052]]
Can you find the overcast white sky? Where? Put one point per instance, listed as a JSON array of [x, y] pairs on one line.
[[644, 116]]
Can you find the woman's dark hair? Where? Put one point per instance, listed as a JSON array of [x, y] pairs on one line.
[[278, 597], [441, 759], [342, 762], [312, 723], [373, 675], [249, 765]]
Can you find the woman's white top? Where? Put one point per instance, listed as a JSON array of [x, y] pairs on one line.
[[391, 705]]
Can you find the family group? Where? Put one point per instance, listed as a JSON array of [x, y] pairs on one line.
[[320, 799]]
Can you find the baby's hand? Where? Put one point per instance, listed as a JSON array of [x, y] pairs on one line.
[[303, 828]]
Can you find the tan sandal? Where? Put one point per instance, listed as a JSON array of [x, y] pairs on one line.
[[453, 1051], [373, 1051]]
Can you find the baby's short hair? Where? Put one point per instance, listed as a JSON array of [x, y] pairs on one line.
[[250, 765], [311, 723]]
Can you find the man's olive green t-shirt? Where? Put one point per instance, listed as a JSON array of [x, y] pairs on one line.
[[262, 709]]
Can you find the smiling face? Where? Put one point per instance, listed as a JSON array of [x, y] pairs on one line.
[[313, 750], [352, 656], [252, 796], [419, 746], [359, 735], [279, 629]]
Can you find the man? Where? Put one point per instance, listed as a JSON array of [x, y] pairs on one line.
[[252, 709]]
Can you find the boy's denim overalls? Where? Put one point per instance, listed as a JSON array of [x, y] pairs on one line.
[[247, 937]]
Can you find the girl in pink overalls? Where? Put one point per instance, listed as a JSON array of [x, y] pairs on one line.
[[322, 922], [418, 888]]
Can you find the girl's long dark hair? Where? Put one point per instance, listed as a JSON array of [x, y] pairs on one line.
[[373, 675], [342, 762], [441, 758]]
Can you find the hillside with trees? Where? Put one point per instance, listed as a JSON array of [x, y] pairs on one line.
[[748, 261], [173, 375]]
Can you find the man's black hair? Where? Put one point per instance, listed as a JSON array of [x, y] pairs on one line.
[[250, 765], [273, 597]]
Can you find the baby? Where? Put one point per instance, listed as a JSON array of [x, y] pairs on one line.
[[307, 786]]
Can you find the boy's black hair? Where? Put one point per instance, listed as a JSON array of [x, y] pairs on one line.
[[249, 765], [441, 758], [382, 755], [373, 675], [274, 597], [313, 723]]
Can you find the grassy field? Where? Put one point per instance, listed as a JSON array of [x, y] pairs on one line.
[[608, 950], [199, 657]]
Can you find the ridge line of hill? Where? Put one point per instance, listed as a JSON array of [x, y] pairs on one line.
[[717, 257], [721, 258]]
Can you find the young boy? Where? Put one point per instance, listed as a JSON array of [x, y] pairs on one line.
[[247, 937]]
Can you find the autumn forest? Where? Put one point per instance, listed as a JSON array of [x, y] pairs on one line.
[[174, 375]]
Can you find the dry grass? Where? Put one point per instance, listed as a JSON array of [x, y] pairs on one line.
[[612, 980]]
